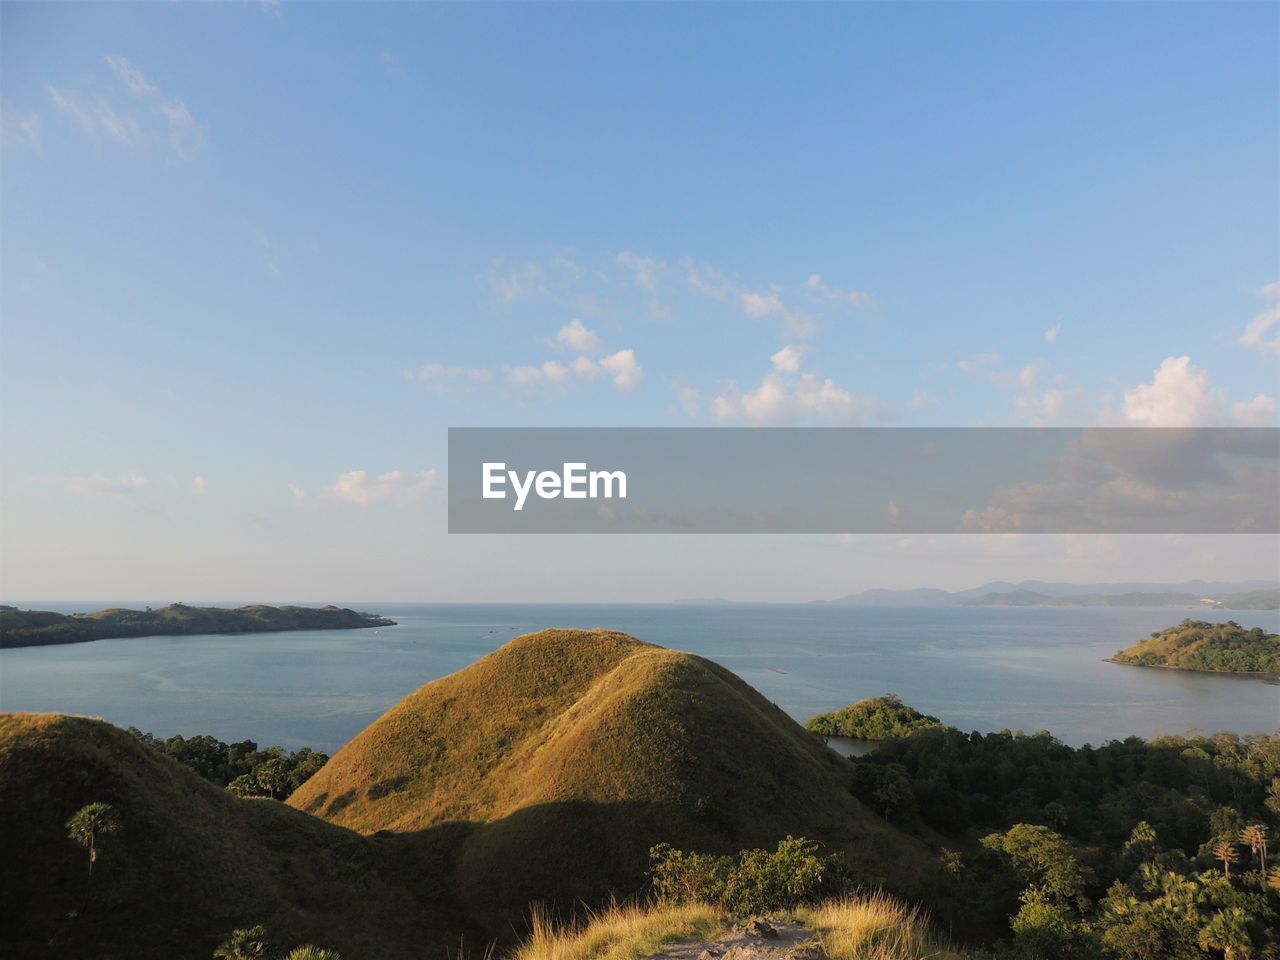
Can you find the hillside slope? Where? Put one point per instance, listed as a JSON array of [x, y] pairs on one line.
[[191, 864], [569, 753], [1213, 647]]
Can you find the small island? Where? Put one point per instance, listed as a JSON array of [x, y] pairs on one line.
[[34, 628], [876, 718], [1208, 648]]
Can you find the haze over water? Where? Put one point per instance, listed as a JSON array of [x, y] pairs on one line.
[[975, 668]]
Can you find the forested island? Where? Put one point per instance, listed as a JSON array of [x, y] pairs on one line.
[[876, 718], [1209, 648], [33, 628]]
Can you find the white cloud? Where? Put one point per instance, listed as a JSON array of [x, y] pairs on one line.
[[97, 118], [853, 297], [921, 400], [785, 397], [624, 369], [788, 359], [1258, 412], [21, 131], [101, 120], [690, 400], [199, 486], [299, 495], [96, 483], [551, 373], [395, 489], [644, 270], [1259, 334], [1181, 394], [770, 304], [708, 281], [440, 377], [131, 77], [1051, 335], [575, 336]]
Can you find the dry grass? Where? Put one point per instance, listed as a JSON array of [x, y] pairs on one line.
[[874, 927], [620, 932]]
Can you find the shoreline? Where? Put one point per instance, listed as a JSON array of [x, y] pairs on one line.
[[1273, 678]]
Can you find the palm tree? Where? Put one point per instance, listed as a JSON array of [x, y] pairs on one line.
[[90, 824], [312, 952], [250, 943], [1228, 931], [1226, 852], [1254, 837]]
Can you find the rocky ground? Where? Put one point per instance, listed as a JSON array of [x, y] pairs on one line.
[[768, 939]]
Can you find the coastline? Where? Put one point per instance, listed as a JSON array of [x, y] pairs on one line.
[[1272, 678]]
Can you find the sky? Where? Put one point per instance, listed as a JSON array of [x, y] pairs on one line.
[[255, 259]]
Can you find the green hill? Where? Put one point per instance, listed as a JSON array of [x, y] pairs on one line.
[[191, 863], [876, 718], [1214, 647], [27, 628], [567, 754]]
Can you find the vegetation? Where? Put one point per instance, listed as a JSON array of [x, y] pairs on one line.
[[1216, 647], [1136, 850], [597, 746], [90, 825], [874, 927], [29, 628], [753, 881], [192, 863], [618, 932], [877, 718], [570, 767], [240, 767], [253, 943]]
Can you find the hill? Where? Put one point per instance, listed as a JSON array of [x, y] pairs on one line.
[[28, 628], [567, 754], [876, 718], [191, 863], [1213, 647]]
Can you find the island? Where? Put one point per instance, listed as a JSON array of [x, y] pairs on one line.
[[34, 628], [1208, 648], [876, 718]]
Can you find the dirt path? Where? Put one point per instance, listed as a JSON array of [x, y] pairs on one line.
[[791, 941]]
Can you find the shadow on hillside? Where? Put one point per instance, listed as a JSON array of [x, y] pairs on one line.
[[571, 855]]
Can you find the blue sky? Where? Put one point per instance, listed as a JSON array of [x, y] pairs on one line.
[[283, 248]]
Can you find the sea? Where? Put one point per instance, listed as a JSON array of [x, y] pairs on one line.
[[976, 668]]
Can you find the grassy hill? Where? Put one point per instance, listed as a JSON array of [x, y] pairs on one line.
[[191, 863], [564, 755], [1215, 647], [27, 628]]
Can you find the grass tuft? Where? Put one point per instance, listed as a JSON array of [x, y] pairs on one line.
[[875, 927], [619, 932]]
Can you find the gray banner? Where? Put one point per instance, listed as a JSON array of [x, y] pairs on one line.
[[864, 480]]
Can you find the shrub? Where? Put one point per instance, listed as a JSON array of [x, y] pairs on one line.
[[755, 881]]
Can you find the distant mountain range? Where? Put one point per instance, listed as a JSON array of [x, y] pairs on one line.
[[1205, 594]]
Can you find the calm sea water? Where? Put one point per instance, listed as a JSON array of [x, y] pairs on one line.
[[977, 669]]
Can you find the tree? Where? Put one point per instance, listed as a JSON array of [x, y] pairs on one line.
[[1273, 879], [312, 952], [250, 943], [90, 824], [1254, 837], [1226, 852], [1228, 931]]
